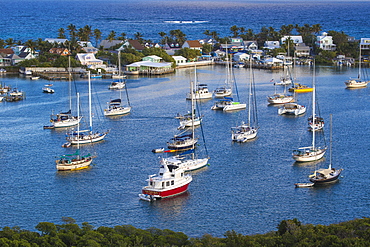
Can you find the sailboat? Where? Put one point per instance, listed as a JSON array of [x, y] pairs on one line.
[[201, 90], [249, 130], [119, 76], [228, 103], [72, 162], [280, 98], [312, 152], [86, 136], [285, 79], [65, 119], [185, 141], [115, 106], [358, 82], [330, 174], [119, 81], [225, 90], [183, 160]]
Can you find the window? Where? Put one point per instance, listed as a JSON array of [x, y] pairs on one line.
[[163, 184], [172, 182], [168, 183]]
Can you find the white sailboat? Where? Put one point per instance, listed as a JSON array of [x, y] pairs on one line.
[[312, 152], [228, 104], [185, 141], [225, 90], [357, 82], [119, 82], [73, 162], [280, 98], [183, 160], [119, 76], [86, 136], [249, 130], [200, 91], [330, 174], [116, 108], [285, 79], [65, 119]]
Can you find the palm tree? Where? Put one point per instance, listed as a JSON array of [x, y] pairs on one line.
[[138, 36], [31, 44], [234, 30], [316, 28], [10, 42], [61, 33], [163, 37], [122, 37], [111, 35], [97, 35], [87, 32], [72, 30]]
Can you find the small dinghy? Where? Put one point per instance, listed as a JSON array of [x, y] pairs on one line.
[[146, 197], [304, 185]]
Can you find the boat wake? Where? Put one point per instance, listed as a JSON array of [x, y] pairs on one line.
[[186, 22]]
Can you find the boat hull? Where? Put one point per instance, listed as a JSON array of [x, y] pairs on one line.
[[66, 123], [356, 84], [87, 139], [74, 165], [166, 193], [118, 111], [312, 156], [331, 179], [235, 107]]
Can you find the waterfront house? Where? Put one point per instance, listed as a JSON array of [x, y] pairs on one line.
[[270, 45], [365, 43], [152, 58], [179, 60], [89, 60], [60, 51], [12, 60], [302, 50], [207, 41], [325, 42], [152, 45], [295, 38], [250, 45], [240, 56], [193, 44], [149, 68], [57, 41]]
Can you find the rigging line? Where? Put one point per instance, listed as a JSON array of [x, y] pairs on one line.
[[254, 99], [235, 85], [128, 100], [201, 128]]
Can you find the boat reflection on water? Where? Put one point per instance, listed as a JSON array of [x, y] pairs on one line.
[[170, 207]]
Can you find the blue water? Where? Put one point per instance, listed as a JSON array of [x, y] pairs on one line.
[[248, 187], [27, 19]]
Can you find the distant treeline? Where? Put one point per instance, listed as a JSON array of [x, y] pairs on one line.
[[289, 233]]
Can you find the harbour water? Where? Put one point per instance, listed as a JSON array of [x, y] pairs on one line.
[[248, 187]]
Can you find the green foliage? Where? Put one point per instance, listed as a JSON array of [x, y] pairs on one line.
[[190, 54]]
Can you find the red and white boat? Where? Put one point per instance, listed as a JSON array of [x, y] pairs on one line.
[[170, 181]]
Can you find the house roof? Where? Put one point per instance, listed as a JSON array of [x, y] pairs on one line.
[[178, 58], [154, 57], [136, 44], [106, 44], [149, 64], [6, 51], [194, 43], [59, 41]]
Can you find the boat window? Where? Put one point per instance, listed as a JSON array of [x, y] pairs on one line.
[[172, 182], [163, 184], [182, 174], [151, 183], [168, 183], [161, 174]]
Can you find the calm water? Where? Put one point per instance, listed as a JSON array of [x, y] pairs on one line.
[[248, 187]]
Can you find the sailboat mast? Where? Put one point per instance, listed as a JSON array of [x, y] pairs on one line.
[[359, 65], [78, 125], [313, 106], [331, 139], [192, 107], [69, 83], [90, 110], [119, 63], [250, 91]]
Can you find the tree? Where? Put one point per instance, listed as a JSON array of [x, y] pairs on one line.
[[97, 36], [178, 36], [207, 48], [9, 42], [122, 37], [46, 228], [235, 31], [72, 31], [139, 37], [111, 35], [61, 33], [190, 54]]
